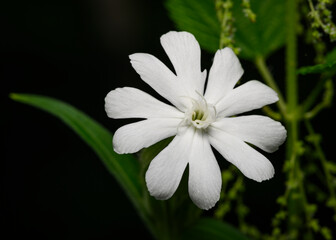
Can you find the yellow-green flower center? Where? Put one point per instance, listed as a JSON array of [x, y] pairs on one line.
[[197, 115], [200, 114]]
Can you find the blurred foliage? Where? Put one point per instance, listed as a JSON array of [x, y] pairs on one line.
[[321, 18], [225, 19], [125, 168], [251, 35], [319, 68], [266, 34], [199, 18], [328, 67]]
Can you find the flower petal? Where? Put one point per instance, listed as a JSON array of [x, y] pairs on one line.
[[135, 136], [166, 169], [184, 52], [160, 78], [249, 96], [133, 103], [249, 161], [260, 131], [205, 180], [225, 72]]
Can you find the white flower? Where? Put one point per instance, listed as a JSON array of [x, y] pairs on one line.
[[198, 121]]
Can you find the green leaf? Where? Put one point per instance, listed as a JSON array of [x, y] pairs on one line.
[[125, 168], [319, 68], [198, 18], [328, 67], [264, 36], [331, 56], [255, 39], [208, 228]]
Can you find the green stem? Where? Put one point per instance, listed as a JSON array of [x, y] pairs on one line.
[[315, 14], [322, 157], [223, 32], [292, 106], [291, 55], [268, 111], [291, 77], [269, 80], [224, 17], [314, 111], [313, 96], [305, 203]]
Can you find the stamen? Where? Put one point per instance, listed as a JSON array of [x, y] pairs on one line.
[[200, 114], [202, 97], [194, 116]]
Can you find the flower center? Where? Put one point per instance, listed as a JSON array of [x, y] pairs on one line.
[[200, 114]]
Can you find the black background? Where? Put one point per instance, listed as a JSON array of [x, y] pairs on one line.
[[53, 186]]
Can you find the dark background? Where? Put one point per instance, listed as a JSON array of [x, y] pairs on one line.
[[52, 185]]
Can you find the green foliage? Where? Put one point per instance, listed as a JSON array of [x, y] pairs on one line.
[[258, 38], [199, 18], [232, 188], [125, 168], [319, 68], [321, 17], [328, 67], [258, 28], [225, 19], [331, 56], [266, 34], [246, 5]]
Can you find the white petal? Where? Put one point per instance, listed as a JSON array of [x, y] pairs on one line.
[[160, 78], [166, 169], [260, 131], [249, 96], [135, 136], [224, 74], [133, 103], [205, 179], [184, 52], [249, 161]]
